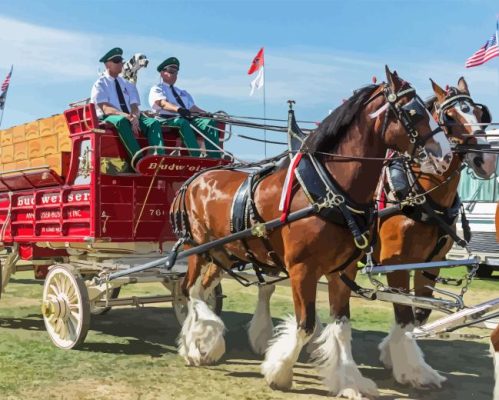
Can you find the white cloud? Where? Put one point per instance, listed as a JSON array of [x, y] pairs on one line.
[[316, 78]]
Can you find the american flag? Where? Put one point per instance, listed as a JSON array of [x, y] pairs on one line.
[[4, 88], [5, 84], [488, 51]]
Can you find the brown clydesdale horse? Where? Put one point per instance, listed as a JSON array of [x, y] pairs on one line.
[[494, 338], [375, 118], [403, 240], [411, 237]]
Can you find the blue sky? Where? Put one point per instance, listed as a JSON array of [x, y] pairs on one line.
[[316, 52]]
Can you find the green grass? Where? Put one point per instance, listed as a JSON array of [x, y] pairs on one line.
[[131, 354]]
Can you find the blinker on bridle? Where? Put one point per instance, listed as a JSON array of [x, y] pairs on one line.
[[451, 101], [408, 114]]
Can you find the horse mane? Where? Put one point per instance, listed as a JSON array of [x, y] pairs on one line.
[[334, 126]]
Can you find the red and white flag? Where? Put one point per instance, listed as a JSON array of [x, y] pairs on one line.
[[488, 51], [257, 64]]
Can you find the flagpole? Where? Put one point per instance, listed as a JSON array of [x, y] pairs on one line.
[[264, 113]]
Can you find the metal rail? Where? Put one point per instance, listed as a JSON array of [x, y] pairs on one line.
[[386, 269]]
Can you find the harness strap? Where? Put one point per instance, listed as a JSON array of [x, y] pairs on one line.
[[357, 289], [443, 225]]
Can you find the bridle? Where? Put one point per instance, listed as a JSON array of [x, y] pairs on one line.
[[408, 114], [451, 102]]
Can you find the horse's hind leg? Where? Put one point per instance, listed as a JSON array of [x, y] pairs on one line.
[[400, 352], [261, 328], [333, 355], [293, 333], [495, 353], [201, 340]]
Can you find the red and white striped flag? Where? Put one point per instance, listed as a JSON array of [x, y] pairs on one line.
[[488, 51], [258, 64], [4, 88]]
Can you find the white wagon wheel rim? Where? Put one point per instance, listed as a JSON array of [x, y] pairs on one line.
[[64, 309]]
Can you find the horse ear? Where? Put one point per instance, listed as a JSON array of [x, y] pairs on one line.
[[393, 80], [463, 86], [439, 92]]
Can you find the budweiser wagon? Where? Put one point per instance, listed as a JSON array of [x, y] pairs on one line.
[[73, 209]]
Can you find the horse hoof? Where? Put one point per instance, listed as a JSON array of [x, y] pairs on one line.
[[276, 377]]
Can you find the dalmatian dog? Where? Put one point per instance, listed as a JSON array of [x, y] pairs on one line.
[[131, 67]]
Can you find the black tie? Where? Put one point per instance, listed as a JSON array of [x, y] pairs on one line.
[[177, 97], [121, 98]]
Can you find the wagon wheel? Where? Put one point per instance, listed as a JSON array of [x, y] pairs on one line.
[[65, 308], [95, 310], [179, 303]]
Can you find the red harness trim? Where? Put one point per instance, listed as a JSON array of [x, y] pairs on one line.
[[288, 186]]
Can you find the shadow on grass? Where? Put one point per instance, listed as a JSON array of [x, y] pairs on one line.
[[24, 281], [32, 322], [153, 331], [133, 347]]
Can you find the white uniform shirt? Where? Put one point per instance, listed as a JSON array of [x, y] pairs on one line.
[[104, 91], [163, 91]]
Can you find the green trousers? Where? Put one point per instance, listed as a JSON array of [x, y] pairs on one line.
[[149, 127], [189, 136]]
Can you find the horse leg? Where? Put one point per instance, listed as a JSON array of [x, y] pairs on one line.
[[401, 352], [494, 338], [201, 340], [291, 335], [421, 315], [261, 327], [337, 367]]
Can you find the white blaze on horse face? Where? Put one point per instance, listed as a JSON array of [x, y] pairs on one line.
[[482, 164], [465, 110], [439, 152]]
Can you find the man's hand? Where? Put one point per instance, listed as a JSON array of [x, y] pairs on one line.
[[134, 121], [184, 113]]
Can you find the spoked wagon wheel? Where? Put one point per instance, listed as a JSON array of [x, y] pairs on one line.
[[95, 310], [214, 301], [65, 308]]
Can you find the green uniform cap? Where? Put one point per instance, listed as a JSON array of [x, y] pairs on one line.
[[167, 62], [111, 53]]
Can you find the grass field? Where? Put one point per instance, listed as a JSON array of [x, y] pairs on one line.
[[130, 353]]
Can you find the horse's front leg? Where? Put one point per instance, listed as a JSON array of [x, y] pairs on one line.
[[333, 355], [494, 338], [401, 352], [201, 340], [261, 328], [293, 333], [422, 287]]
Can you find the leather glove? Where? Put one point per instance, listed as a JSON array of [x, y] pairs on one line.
[[184, 113]]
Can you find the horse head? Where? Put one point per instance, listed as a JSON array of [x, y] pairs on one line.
[[462, 119], [412, 129]]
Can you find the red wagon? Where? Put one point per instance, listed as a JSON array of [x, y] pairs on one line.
[[71, 206]]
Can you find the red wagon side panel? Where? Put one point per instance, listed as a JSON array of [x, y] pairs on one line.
[[85, 204]]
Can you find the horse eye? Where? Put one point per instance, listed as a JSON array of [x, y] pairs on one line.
[[465, 108]]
